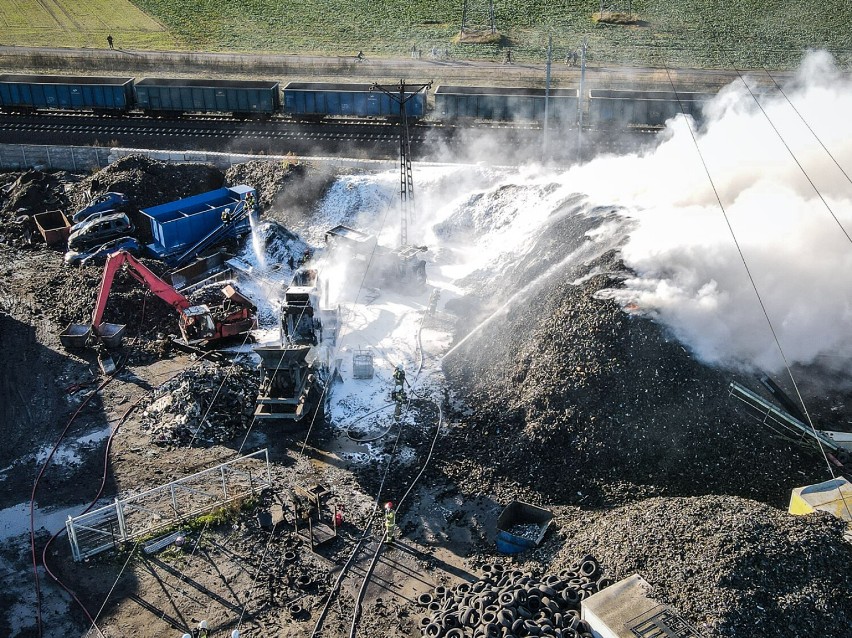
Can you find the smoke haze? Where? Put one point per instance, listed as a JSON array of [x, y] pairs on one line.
[[689, 273]]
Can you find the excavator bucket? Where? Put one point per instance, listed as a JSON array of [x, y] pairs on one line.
[[75, 336]]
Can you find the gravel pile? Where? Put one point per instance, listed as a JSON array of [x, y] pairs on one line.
[[731, 566], [24, 195], [577, 402], [180, 409]]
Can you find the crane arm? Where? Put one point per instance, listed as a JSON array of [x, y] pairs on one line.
[[142, 274]]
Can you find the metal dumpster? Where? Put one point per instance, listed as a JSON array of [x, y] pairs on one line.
[[521, 526], [111, 334], [53, 226]]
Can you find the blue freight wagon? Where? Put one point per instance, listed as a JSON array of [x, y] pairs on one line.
[[67, 92], [240, 97], [317, 99], [642, 108], [504, 104], [179, 225]]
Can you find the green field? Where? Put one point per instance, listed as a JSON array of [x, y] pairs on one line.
[[80, 23], [702, 33]]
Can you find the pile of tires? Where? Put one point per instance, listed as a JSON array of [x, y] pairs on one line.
[[510, 603]]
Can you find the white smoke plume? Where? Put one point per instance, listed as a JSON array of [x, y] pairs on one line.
[[793, 234]]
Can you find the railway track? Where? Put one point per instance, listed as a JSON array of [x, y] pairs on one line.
[[279, 135]]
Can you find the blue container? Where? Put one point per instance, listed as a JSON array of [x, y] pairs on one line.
[[355, 100], [504, 104], [643, 108], [71, 93], [180, 224], [158, 95], [518, 513]]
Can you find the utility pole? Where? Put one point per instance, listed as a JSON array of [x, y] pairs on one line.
[[406, 175], [492, 23], [544, 141], [580, 99]]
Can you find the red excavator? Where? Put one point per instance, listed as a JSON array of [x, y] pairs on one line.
[[198, 324]]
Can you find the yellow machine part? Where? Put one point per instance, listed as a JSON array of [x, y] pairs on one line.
[[834, 497]]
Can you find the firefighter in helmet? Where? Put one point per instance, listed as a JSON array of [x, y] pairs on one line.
[[390, 522], [398, 393]]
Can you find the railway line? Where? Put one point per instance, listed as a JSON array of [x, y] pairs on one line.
[[340, 137]]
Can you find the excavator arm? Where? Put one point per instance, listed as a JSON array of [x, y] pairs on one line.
[[142, 274]]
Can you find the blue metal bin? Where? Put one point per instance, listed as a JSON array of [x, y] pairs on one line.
[[32, 92], [518, 513], [180, 224]]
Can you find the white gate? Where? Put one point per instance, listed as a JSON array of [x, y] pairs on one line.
[[146, 512]]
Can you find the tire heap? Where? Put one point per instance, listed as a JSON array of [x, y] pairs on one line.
[[507, 603]]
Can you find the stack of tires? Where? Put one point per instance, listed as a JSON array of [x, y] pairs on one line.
[[507, 603]]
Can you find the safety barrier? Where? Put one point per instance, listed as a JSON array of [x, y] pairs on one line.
[[144, 513]]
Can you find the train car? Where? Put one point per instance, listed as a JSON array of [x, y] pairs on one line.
[[31, 93], [176, 96], [504, 104], [319, 99], [642, 108]]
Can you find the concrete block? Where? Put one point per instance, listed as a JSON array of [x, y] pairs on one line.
[[627, 610]]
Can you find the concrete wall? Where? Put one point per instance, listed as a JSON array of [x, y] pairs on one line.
[[83, 159]]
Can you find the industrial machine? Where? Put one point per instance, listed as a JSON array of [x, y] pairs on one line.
[[836, 445], [384, 266], [198, 324], [295, 372]]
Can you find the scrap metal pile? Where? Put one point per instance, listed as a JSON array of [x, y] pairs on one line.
[[591, 406], [209, 404]]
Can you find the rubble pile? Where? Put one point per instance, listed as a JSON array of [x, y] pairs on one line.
[[507, 601], [147, 182], [581, 402], [729, 565], [277, 244], [180, 412], [287, 190], [24, 195]]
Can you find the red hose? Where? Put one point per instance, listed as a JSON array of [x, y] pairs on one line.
[[33, 496]]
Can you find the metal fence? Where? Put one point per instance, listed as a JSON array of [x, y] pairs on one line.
[[145, 513]]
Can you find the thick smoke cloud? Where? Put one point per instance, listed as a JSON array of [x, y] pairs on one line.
[[689, 273]]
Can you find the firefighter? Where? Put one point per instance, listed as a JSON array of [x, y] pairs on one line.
[[226, 216], [398, 393], [250, 202], [399, 376], [390, 522], [203, 631]]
